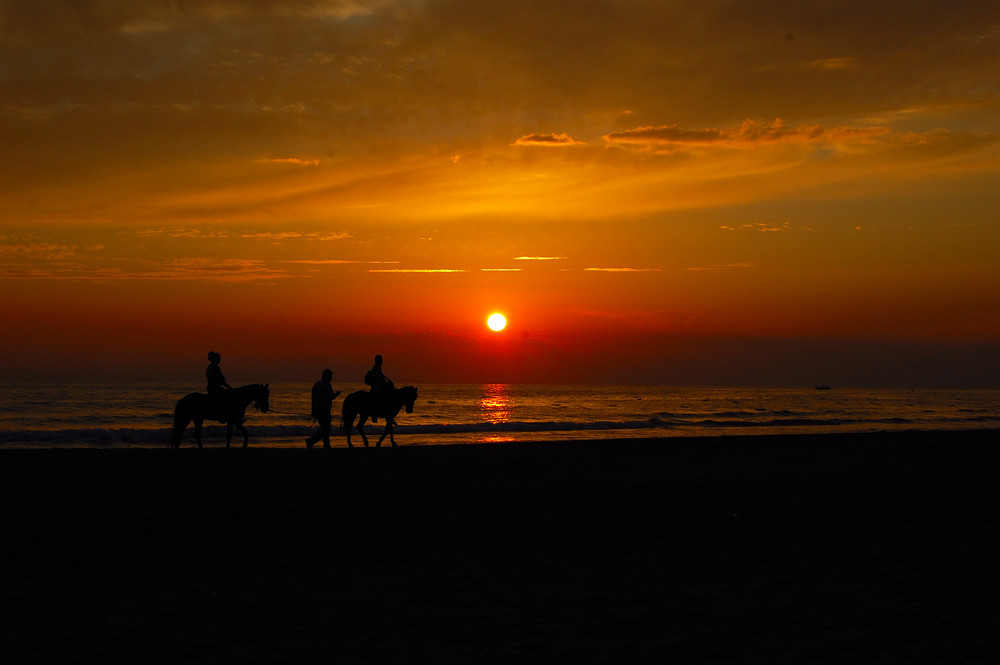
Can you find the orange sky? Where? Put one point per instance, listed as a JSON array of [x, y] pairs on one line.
[[657, 192]]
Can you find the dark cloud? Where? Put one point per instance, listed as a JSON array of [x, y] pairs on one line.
[[750, 131], [937, 142], [547, 140]]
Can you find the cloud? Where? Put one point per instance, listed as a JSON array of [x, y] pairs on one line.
[[547, 140], [749, 133], [223, 234], [334, 262], [153, 17], [832, 64], [219, 270], [293, 161], [419, 270], [721, 266], [39, 251], [72, 267], [289, 235], [763, 227], [835, 64], [623, 269], [665, 134]]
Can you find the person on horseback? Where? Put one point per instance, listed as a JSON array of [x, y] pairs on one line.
[[376, 378], [323, 395], [217, 385], [379, 382]]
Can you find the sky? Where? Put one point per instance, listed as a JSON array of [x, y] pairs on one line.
[[656, 192]]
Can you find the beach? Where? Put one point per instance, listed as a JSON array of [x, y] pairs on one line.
[[801, 549]]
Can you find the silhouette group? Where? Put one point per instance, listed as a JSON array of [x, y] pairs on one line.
[[225, 404]]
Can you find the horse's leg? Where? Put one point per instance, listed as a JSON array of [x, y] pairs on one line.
[[180, 424], [361, 429], [243, 430], [197, 430], [387, 430], [229, 432], [178, 434]]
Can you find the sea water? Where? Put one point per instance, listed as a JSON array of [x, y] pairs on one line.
[[141, 415]]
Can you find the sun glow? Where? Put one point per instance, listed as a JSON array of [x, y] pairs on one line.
[[496, 322]]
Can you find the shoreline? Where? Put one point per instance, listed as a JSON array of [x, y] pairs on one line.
[[214, 438], [815, 548], [112, 416]]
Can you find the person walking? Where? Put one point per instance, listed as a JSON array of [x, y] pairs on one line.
[[323, 395]]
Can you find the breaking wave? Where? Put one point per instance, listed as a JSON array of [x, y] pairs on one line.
[[263, 433]]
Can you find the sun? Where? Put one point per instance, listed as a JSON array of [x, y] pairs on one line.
[[496, 322]]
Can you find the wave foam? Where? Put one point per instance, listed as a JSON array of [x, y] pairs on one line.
[[160, 435]]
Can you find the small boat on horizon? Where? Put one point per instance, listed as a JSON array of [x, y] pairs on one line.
[[822, 387]]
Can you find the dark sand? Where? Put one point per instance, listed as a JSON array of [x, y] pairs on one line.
[[846, 549]]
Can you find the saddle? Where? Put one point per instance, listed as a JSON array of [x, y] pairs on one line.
[[380, 401], [216, 408]]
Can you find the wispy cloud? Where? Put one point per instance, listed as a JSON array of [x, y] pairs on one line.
[[721, 266], [623, 269], [41, 251], [749, 133], [548, 140], [289, 235], [333, 262], [419, 270], [74, 267], [764, 227], [225, 270], [836, 64], [224, 234], [832, 64], [292, 161]]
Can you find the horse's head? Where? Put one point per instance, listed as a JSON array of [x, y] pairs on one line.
[[409, 394], [260, 397]]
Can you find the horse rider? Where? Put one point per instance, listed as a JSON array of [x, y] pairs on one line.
[[323, 395], [217, 385], [379, 382]]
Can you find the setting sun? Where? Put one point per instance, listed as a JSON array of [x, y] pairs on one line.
[[496, 322]]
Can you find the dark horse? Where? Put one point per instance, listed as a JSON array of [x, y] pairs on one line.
[[380, 405], [232, 411]]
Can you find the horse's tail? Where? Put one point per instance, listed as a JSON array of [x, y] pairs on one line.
[[181, 420], [348, 412]]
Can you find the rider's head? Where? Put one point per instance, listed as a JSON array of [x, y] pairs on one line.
[[378, 359], [327, 374], [214, 357]]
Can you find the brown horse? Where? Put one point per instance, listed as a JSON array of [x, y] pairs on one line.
[[380, 405], [230, 408]]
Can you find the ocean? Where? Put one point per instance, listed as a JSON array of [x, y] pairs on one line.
[[140, 415]]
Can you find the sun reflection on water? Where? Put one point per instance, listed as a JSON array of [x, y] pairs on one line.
[[495, 438], [494, 404], [495, 408]]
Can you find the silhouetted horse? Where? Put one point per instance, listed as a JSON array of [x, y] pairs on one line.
[[230, 408], [380, 405]]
